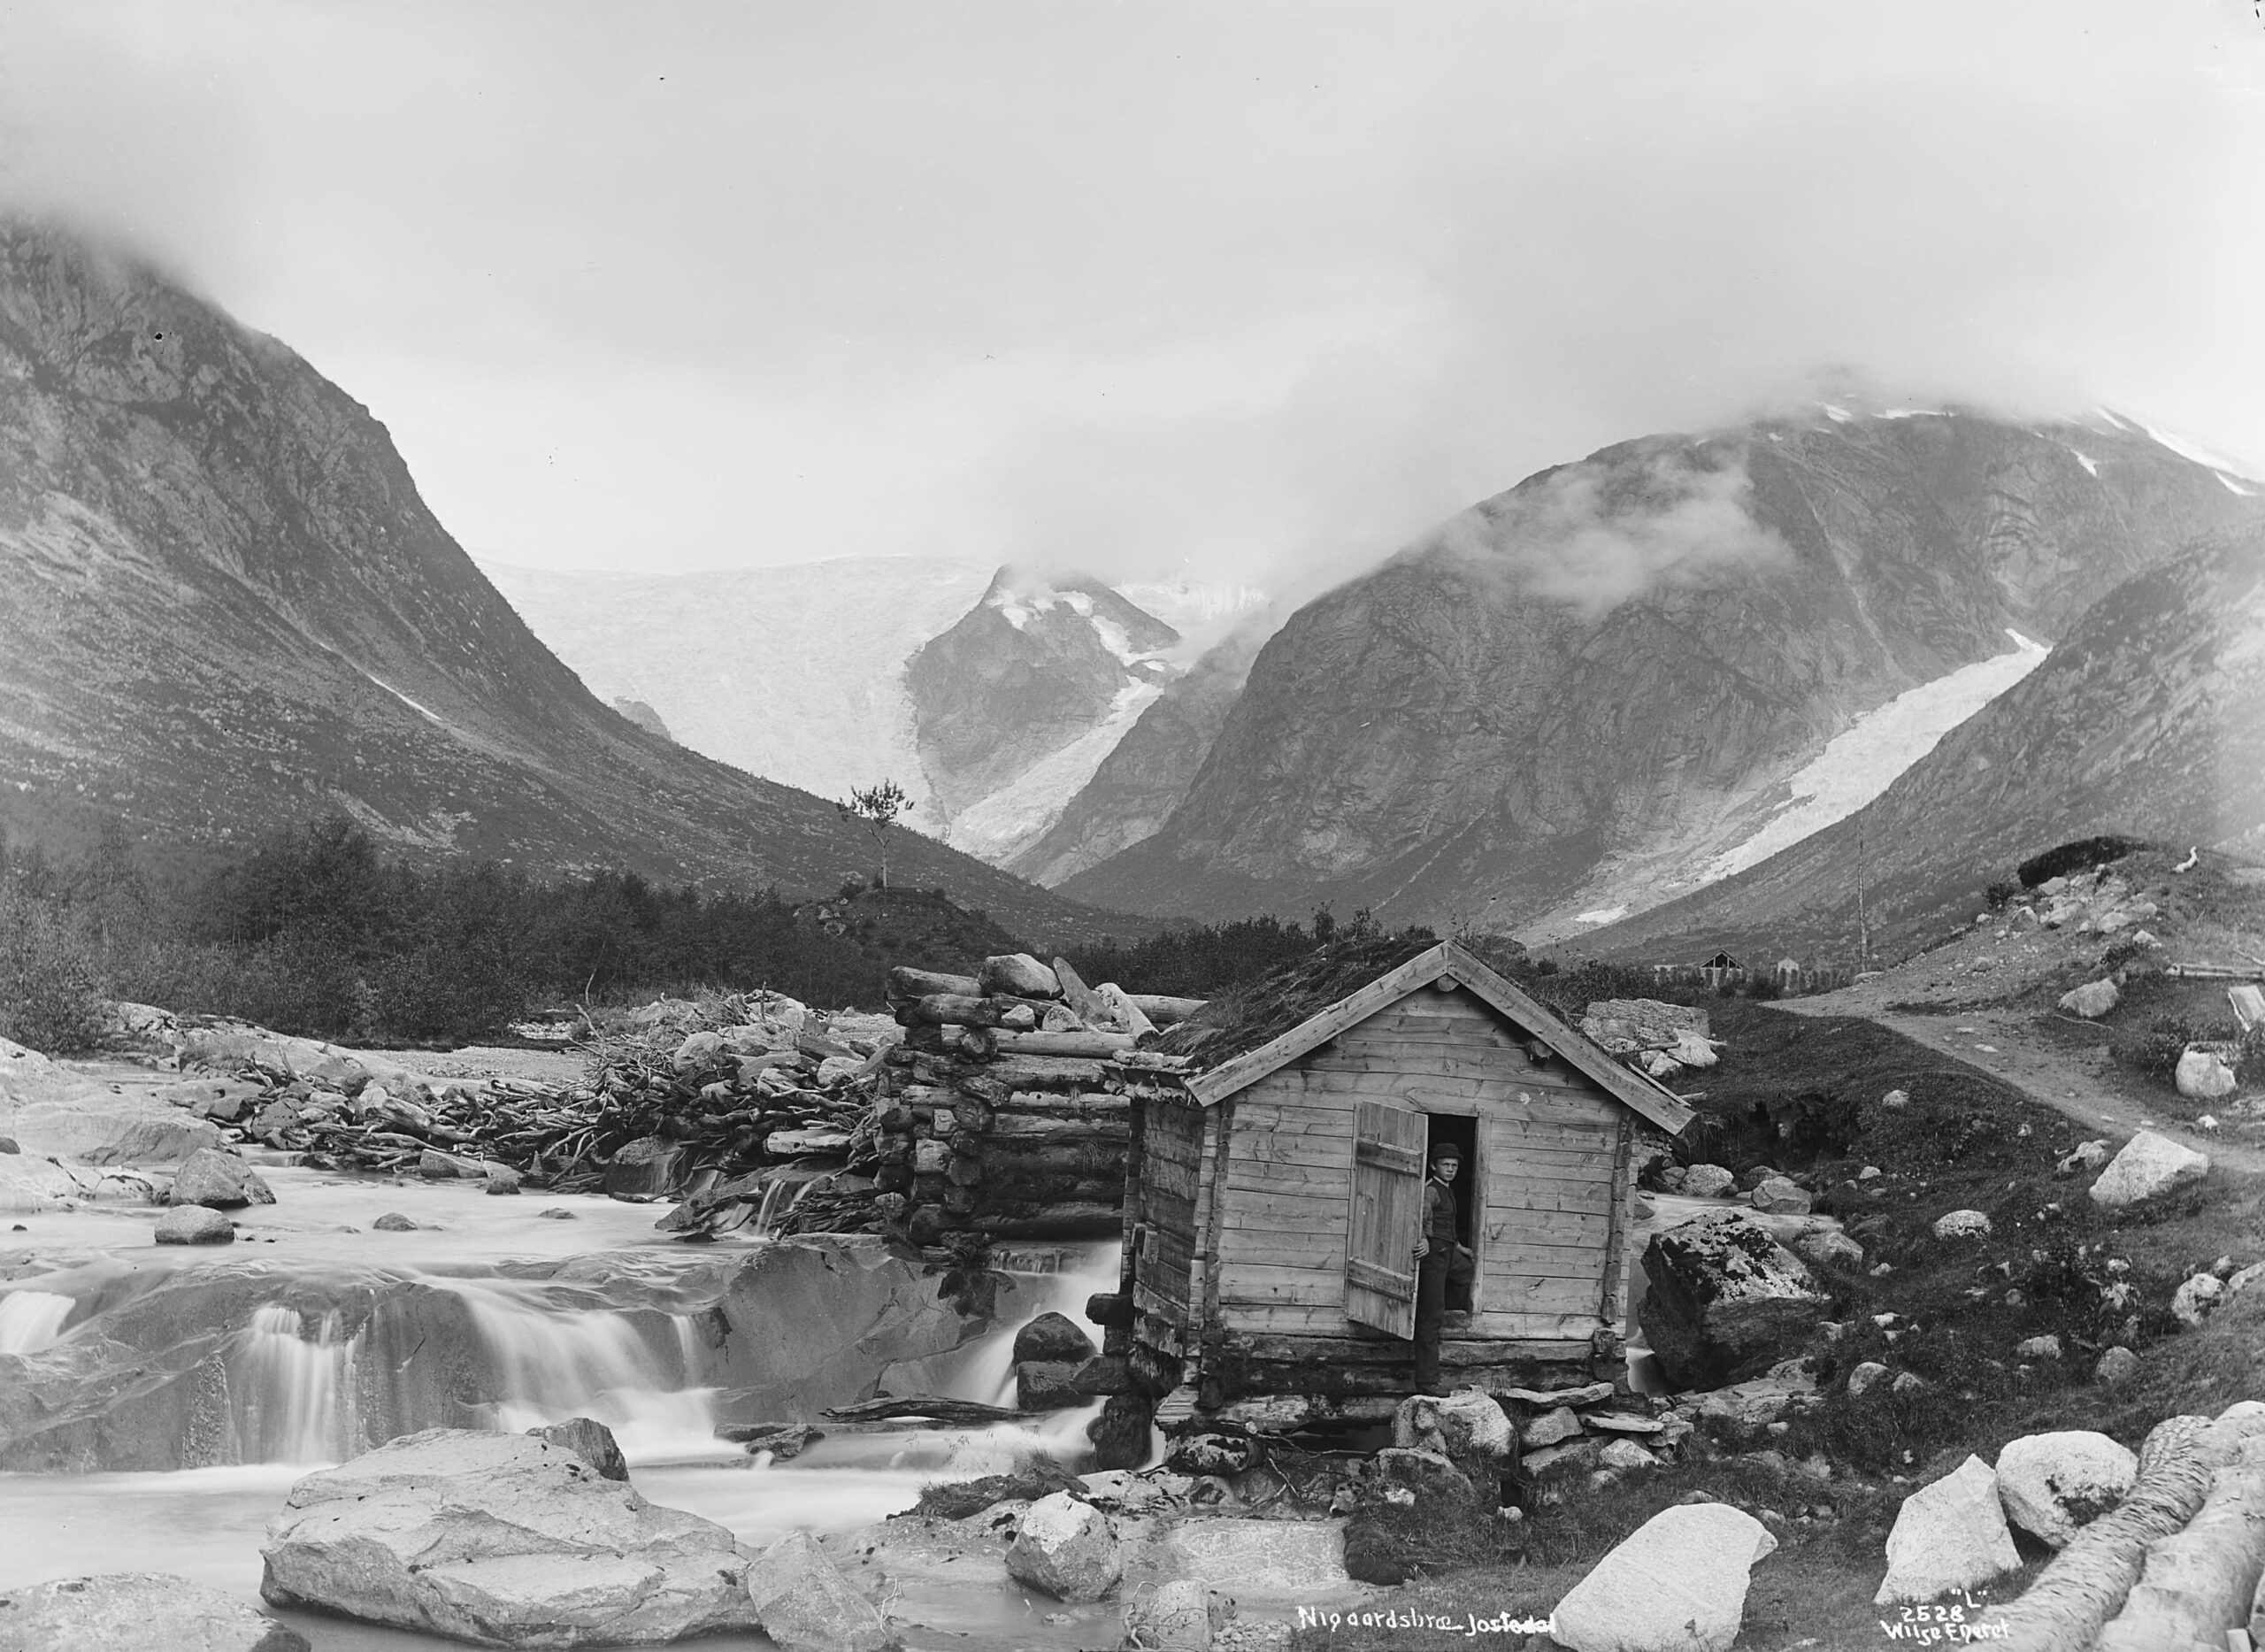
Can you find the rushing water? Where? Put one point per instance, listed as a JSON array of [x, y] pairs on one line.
[[613, 1334], [30, 1320]]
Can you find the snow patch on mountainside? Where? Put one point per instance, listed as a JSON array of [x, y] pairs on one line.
[[996, 826], [1865, 759], [795, 673]]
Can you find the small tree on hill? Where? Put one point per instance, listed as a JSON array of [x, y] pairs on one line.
[[876, 807]]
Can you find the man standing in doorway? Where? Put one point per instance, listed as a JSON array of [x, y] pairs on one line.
[[1441, 1260]]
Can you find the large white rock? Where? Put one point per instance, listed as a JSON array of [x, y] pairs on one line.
[[2052, 1485], [1286, 1560], [1708, 1181], [49, 1110], [2195, 1297], [221, 1180], [807, 1605], [1949, 1535], [1962, 1225], [2148, 1166], [1464, 1426], [1067, 1549], [2203, 1075], [2093, 1000], [1676, 1584], [136, 1611], [501, 1540]]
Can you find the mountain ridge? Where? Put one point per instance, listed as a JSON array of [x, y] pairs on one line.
[[1581, 685]]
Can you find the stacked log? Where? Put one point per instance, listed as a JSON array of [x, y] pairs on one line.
[[994, 1118]]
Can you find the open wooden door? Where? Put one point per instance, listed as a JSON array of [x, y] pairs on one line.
[[1387, 1217]]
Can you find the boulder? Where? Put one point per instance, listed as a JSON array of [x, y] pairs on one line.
[[2117, 1367], [194, 1225], [2194, 1299], [1708, 1181], [502, 1179], [1949, 1535], [1725, 1301], [2052, 1485], [2203, 1075], [1961, 1225], [1427, 1474], [1551, 1428], [1678, 1581], [1211, 1454], [2149, 1166], [394, 1221], [501, 1540], [136, 1611], [1177, 1617], [643, 1168], [1865, 1373], [1778, 1196], [222, 1181], [2044, 1347], [1048, 1384], [434, 1165], [1626, 1454], [1066, 1548], [1896, 1101], [1018, 975], [589, 1440], [1284, 1559], [2086, 1156], [50, 1111], [1763, 1399], [805, 1603], [1828, 1248], [2093, 1000], [1467, 1427], [1053, 1336]]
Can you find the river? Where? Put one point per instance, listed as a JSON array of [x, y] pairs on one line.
[[588, 1312]]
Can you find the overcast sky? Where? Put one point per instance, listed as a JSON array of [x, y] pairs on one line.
[[1249, 287]]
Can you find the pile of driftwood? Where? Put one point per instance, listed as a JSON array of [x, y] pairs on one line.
[[993, 1116], [752, 1107]]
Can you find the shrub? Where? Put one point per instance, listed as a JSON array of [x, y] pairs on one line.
[[49, 1000], [2001, 891]]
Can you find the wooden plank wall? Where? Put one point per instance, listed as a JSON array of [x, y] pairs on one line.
[[1548, 1143], [1171, 1152]]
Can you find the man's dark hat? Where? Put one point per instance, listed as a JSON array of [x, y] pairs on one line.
[[1448, 1151]]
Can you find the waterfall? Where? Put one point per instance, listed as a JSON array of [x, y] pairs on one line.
[[1055, 1281], [292, 1394], [30, 1320], [638, 1373]]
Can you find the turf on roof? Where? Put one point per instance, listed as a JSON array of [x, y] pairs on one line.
[[1258, 1013]]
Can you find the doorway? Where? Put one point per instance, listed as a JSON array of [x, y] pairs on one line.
[[1461, 1132]]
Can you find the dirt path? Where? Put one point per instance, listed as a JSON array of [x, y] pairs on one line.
[[1999, 1041]]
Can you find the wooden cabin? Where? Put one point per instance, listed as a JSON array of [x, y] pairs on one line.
[[1274, 1180]]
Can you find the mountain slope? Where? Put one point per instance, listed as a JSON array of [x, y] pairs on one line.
[[1581, 690], [2147, 721], [1018, 702], [226, 608], [1134, 789]]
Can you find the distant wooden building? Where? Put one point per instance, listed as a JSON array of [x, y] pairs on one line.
[[1722, 961], [1274, 1178]]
